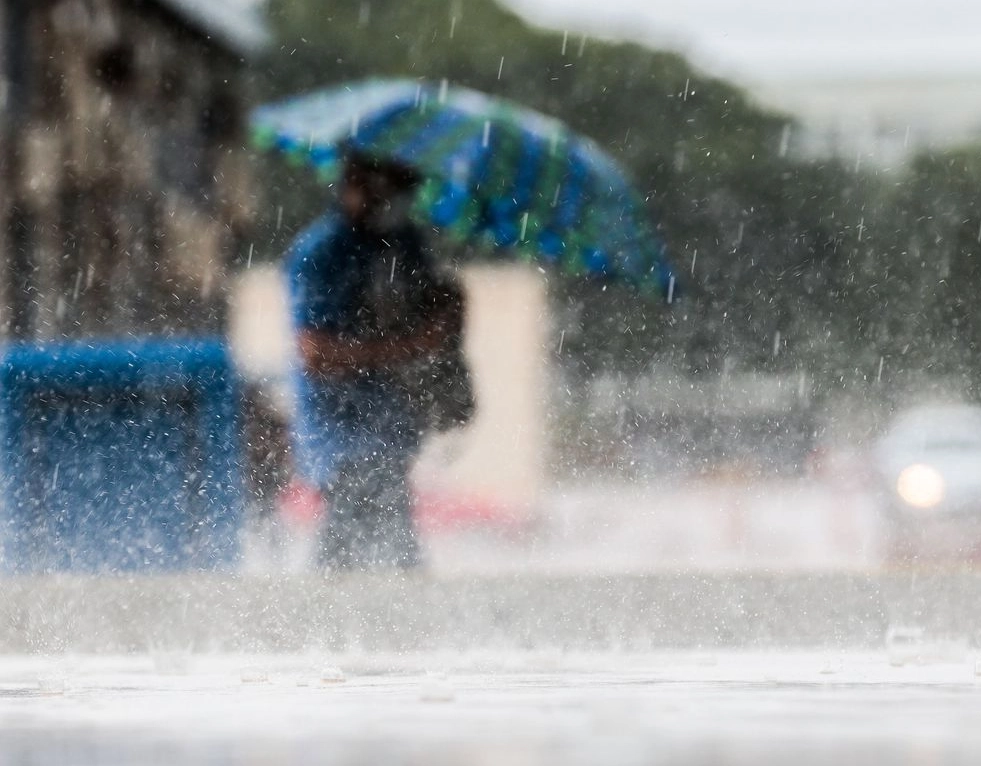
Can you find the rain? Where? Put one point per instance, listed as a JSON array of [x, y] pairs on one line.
[[509, 381]]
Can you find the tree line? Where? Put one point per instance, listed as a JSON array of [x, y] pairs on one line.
[[859, 277]]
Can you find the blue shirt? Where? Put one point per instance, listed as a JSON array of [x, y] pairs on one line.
[[348, 281]]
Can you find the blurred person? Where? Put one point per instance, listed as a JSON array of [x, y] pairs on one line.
[[376, 327]]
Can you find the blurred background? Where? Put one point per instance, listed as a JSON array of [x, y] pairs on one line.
[[813, 173], [738, 525]]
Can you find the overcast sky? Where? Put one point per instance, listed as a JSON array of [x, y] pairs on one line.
[[786, 39]]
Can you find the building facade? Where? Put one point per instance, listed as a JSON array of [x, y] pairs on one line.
[[125, 193]]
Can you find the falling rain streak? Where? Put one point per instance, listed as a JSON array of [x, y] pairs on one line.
[[784, 140], [662, 439]]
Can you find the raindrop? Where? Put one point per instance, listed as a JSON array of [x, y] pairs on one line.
[[878, 374], [784, 140], [500, 68], [485, 141], [452, 27], [904, 644], [444, 86], [53, 683], [565, 41], [776, 343], [332, 675], [679, 159], [694, 257], [364, 15], [248, 263], [831, 666], [255, 675], [172, 663], [671, 290], [437, 688]]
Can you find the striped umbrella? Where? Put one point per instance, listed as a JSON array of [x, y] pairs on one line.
[[494, 172]]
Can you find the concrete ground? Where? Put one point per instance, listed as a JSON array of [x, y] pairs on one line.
[[698, 708], [715, 624]]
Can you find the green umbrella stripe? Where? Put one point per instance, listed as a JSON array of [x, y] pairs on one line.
[[414, 137], [494, 173]]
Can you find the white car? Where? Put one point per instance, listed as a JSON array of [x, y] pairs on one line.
[[929, 465]]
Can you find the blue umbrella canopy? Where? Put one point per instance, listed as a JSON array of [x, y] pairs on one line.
[[494, 172]]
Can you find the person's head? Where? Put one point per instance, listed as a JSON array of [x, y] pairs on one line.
[[376, 193]]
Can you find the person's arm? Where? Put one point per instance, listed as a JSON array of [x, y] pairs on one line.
[[333, 355]]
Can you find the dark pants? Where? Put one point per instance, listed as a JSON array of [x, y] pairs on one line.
[[369, 514]]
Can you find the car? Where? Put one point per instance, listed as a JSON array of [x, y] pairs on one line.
[[928, 467]]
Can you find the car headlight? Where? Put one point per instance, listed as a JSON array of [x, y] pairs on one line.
[[920, 485]]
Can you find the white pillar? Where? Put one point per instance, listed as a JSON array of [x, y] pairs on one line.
[[498, 460]]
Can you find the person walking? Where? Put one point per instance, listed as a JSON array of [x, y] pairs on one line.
[[372, 317]]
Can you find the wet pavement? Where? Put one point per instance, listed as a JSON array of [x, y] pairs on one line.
[[807, 708], [417, 612], [761, 638]]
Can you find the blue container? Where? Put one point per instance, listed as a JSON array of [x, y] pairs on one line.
[[119, 456]]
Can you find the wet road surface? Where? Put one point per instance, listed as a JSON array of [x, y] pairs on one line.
[[905, 705]]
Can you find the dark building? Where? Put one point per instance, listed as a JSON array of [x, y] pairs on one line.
[[125, 189]]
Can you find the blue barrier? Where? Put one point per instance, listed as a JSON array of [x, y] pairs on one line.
[[119, 456]]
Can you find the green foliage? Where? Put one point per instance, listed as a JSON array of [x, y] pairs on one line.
[[787, 264]]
